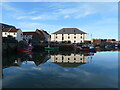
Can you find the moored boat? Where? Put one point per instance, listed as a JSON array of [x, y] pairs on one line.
[[26, 49], [85, 49]]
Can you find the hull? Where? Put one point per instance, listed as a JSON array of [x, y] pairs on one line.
[[83, 50], [86, 50], [25, 50]]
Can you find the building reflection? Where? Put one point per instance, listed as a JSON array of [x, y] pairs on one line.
[[18, 59], [65, 59], [70, 59]]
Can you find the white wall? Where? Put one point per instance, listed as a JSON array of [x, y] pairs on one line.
[[79, 37], [19, 35]]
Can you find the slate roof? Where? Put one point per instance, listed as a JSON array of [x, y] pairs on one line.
[[69, 31], [6, 26]]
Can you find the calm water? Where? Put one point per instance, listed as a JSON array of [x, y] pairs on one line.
[[61, 70]]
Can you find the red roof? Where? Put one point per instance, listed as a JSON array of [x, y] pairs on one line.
[[10, 30], [28, 33]]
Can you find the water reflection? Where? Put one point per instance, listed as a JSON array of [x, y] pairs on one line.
[[70, 59], [60, 69], [64, 59], [18, 59]]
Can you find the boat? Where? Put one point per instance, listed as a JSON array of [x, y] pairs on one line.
[[51, 48], [85, 49], [27, 49]]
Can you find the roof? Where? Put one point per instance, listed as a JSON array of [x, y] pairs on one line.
[[6, 26], [28, 33], [69, 64], [46, 32], [10, 30], [69, 31]]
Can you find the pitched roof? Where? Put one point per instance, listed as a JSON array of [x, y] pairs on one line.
[[10, 30], [28, 33], [6, 26], [69, 64], [69, 31], [46, 32]]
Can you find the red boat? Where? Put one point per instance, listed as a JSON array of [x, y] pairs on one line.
[[25, 50], [85, 49], [82, 49]]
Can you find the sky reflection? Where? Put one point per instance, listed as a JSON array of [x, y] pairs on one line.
[[100, 73]]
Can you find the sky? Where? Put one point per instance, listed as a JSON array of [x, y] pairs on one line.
[[97, 19]]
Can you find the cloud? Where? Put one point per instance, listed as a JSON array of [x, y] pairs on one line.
[[66, 16], [60, 11], [21, 17], [30, 26], [8, 7], [45, 17]]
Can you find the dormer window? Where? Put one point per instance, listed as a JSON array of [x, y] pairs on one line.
[[74, 30]]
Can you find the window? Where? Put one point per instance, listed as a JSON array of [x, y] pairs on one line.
[[56, 58], [56, 34], [68, 34], [74, 34], [56, 37], [74, 30], [74, 58], [75, 37], [81, 36], [68, 58], [80, 58], [5, 33], [14, 33], [21, 35], [74, 41], [68, 37]]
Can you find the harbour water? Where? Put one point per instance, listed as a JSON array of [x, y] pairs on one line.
[[61, 70]]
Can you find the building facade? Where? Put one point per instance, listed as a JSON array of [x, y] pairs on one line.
[[38, 35], [28, 35], [16, 33], [73, 35]]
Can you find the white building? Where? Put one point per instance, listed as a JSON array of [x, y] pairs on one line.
[[69, 34], [16, 33], [28, 35]]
